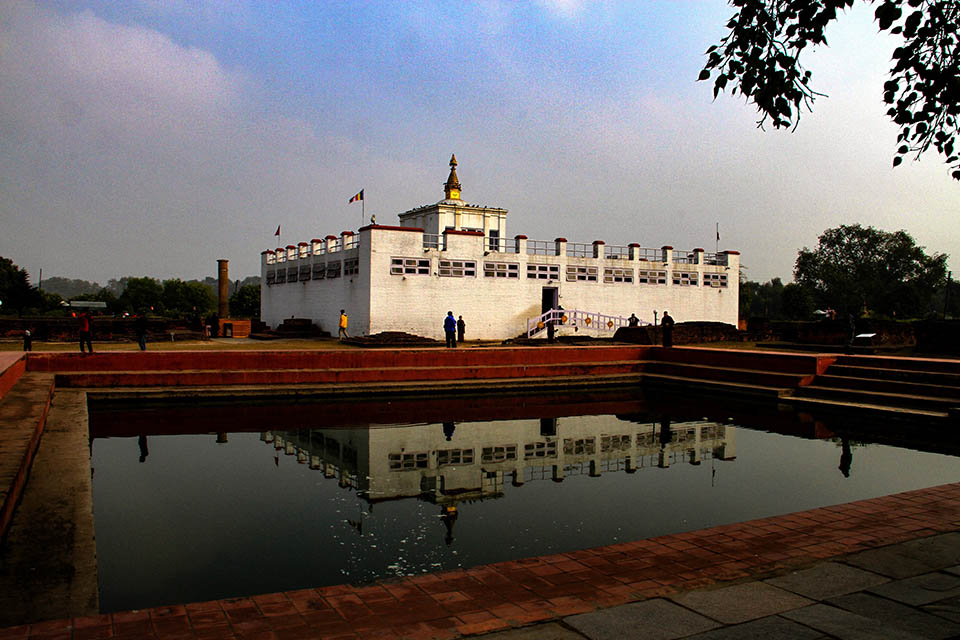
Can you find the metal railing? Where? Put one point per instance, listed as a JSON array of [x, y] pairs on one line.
[[684, 257], [502, 245], [651, 255], [615, 252], [577, 320], [718, 259], [434, 241], [579, 250], [541, 248]]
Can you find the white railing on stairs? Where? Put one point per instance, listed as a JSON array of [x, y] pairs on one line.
[[577, 319]]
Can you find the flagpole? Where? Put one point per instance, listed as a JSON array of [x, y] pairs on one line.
[[717, 249]]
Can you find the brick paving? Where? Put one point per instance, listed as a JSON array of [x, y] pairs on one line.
[[518, 593]]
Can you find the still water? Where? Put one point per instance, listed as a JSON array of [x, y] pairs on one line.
[[196, 503]]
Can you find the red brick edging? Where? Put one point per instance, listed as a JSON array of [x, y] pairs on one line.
[[515, 593]]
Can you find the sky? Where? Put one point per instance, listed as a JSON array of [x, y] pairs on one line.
[[152, 138]]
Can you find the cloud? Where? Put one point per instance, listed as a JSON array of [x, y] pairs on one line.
[[566, 9], [130, 148]]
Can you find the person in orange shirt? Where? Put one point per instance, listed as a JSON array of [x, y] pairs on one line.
[[343, 325], [86, 332]]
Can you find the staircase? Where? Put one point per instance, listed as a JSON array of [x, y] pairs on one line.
[[375, 369], [729, 371], [910, 387]]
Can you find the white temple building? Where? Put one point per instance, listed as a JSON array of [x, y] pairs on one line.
[[454, 256]]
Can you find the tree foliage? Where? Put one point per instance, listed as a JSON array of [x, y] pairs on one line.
[[69, 287], [855, 268], [142, 295], [16, 294], [760, 58], [187, 298], [245, 302]]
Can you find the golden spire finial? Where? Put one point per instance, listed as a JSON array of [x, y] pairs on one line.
[[451, 187]]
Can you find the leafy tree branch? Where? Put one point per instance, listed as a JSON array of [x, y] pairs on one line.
[[760, 58]]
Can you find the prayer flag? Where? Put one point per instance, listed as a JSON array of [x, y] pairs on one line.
[[359, 196]]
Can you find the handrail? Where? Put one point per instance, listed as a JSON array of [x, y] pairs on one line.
[[578, 319]]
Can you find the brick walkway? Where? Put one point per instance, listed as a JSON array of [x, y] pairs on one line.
[[517, 593]]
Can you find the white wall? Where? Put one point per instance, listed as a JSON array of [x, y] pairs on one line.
[[493, 308]]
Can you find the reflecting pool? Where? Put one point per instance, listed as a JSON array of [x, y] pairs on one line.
[[200, 502]]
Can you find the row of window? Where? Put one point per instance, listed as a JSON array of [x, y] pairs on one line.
[[468, 269], [574, 273], [319, 271], [531, 450]]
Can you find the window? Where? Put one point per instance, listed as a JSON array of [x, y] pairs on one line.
[[281, 276], [494, 240], [458, 268], [501, 270], [292, 274], [499, 454], [617, 275], [533, 450], [407, 461], [709, 279], [685, 278], [581, 274], [543, 271], [454, 456], [271, 277], [614, 443], [304, 273], [410, 266], [351, 266], [579, 446], [319, 270], [333, 269], [652, 277]]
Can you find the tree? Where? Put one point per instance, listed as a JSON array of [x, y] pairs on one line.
[[16, 294], [141, 294], [70, 287], [855, 268], [798, 302], [245, 302], [187, 298], [762, 300], [760, 58], [103, 295]]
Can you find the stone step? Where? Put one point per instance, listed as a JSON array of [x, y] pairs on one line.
[[689, 386], [904, 375], [799, 363], [341, 375], [900, 363], [727, 374], [131, 361], [23, 413], [865, 410], [900, 387], [877, 398]]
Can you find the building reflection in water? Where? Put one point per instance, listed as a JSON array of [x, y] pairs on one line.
[[421, 461]]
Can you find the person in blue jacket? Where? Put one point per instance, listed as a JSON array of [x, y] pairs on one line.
[[450, 328]]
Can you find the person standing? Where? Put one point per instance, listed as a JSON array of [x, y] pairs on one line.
[[450, 329], [343, 326], [633, 320], [140, 326], [461, 328], [666, 327], [27, 340], [86, 332]]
